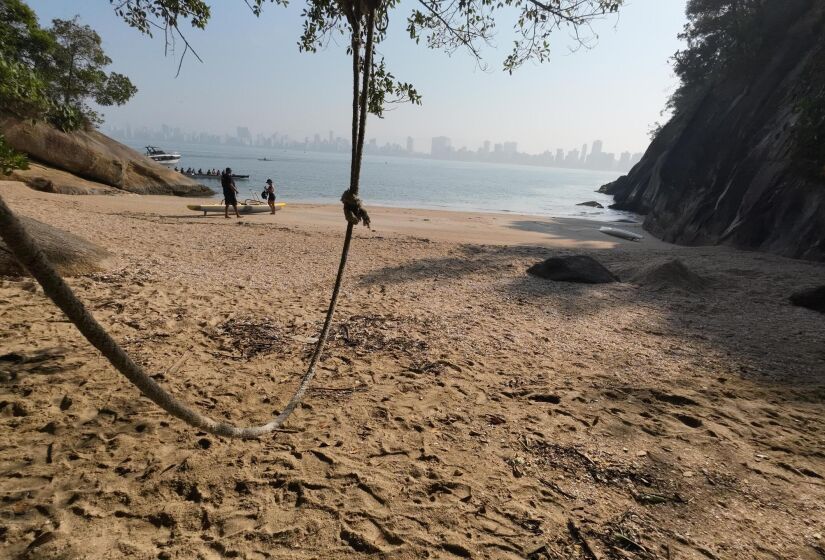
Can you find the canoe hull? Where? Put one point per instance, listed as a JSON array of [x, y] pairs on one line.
[[242, 208]]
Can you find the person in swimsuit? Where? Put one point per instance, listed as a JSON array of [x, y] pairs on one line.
[[270, 195], [229, 193]]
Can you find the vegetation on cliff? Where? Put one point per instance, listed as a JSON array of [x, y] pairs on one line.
[[728, 39]]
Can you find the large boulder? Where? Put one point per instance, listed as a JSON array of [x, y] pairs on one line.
[[726, 170], [812, 299], [96, 157], [70, 254], [47, 179], [576, 268]]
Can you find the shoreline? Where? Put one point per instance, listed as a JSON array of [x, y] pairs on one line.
[[455, 226]]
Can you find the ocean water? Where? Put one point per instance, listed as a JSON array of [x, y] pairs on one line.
[[409, 182]]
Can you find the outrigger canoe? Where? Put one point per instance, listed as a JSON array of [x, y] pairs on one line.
[[242, 208]]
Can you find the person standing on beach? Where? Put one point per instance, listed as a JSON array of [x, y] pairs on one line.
[[270, 195], [229, 193]]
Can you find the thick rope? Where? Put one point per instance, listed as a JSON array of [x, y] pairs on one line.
[[354, 210], [27, 252]]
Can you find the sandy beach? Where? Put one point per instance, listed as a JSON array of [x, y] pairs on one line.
[[463, 409]]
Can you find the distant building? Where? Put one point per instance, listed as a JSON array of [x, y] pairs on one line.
[[559, 156], [440, 147], [244, 136], [624, 160], [584, 153], [509, 148], [485, 148], [572, 158], [410, 144]]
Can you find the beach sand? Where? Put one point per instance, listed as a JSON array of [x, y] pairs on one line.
[[463, 409]]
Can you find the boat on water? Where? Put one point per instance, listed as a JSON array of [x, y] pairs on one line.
[[264, 159], [215, 177], [247, 207], [162, 156]]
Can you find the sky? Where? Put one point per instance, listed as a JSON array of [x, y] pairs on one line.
[[253, 75]]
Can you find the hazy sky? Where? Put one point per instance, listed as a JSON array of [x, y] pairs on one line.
[[253, 75]]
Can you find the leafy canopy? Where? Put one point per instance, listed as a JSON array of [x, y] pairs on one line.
[[721, 36], [53, 73]]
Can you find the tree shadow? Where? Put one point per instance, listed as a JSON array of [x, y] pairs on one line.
[[743, 313]]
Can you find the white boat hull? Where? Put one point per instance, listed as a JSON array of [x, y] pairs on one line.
[[621, 233]]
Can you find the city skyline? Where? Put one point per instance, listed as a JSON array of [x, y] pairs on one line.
[[590, 156], [614, 91]]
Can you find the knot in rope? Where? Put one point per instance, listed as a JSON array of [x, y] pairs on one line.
[[354, 211]]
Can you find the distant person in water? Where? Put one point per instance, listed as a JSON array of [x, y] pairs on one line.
[[270, 195], [229, 193]]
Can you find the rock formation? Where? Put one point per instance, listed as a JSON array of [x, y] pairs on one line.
[[70, 254], [575, 268], [727, 171], [96, 159]]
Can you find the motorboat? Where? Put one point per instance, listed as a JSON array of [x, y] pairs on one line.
[[162, 156]]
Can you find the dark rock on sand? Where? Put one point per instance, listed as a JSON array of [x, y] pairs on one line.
[[811, 299], [726, 170], [591, 203], [576, 268], [70, 254], [669, 274], [92, 156]]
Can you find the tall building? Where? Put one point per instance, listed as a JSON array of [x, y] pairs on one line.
[[244, 136], [597, 148], [584, 153], [509, 148], [559, 155], [331, 137], [440, 146], [624, 160], [410, 144], [486, 147]]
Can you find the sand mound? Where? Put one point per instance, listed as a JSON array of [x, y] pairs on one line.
[[669, 274], [71, 255]]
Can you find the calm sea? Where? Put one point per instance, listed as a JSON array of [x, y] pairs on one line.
[[409, 182]]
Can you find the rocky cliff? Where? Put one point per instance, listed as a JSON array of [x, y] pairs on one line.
[[728, 170], [88, 161]]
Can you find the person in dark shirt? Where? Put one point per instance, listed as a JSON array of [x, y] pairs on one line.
[[229, 193], [270, 195]]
